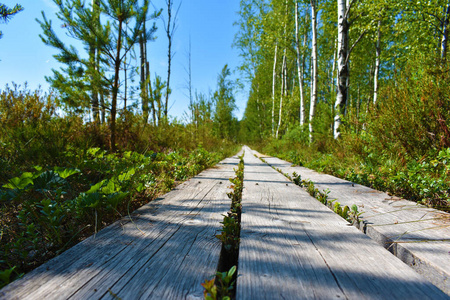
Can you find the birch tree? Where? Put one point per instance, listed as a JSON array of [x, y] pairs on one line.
[[377, 63], [314, 70], [344, 51], [341, 97], [274, 78], [282, 92], [300, 64], [283, 68]]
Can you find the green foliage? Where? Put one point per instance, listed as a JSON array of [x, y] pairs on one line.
[[6, 13], [416, 108], [210, 292], [226, 282], [323, 197], [220, 287], [225, 125], [230, 232], [353, 214], [5, 276], [297, 179], [20, 183]]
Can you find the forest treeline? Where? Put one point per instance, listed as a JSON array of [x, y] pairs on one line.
[[358, 89]]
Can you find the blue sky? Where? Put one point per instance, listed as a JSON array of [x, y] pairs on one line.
[[208, 23]]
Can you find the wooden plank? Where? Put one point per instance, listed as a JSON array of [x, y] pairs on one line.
[[418, 235], [166, 251], [293, 247]]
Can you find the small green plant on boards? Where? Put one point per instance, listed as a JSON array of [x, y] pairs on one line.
[[230, 231], [350, 214], [323, 196], [353, 215], [220, 287], [310, 188], [297, 179], [342, 211]]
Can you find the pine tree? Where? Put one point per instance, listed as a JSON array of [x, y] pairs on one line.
[[6, 13], [225, 104], [112, 39]]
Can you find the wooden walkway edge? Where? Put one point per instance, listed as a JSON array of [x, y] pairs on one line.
[[166, 252], [293, 247], [418, 235]]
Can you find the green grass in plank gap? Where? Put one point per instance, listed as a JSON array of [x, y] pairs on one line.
[[223, 283]]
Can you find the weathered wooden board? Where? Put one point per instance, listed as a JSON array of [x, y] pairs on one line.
[[293, 247], [418, 235], [166, 251]]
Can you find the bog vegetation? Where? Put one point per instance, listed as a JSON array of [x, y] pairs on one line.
[[356, 89]]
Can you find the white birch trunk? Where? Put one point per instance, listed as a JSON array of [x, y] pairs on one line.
[[444, 40], [313, 69], [283, 87], [341, 97], [274, 77], [377, 65], [334, 63], [299, 69]]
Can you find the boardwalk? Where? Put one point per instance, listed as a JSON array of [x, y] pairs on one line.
[[418, 235], [292, 247]]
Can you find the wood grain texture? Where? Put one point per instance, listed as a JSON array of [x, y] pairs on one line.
[[166, 251], [293, 247], [418, 235]]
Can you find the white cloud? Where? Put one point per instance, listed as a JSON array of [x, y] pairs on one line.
[[50, 4]]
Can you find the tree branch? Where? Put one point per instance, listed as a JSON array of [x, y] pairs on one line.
[[347, 12], [353, 46]]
